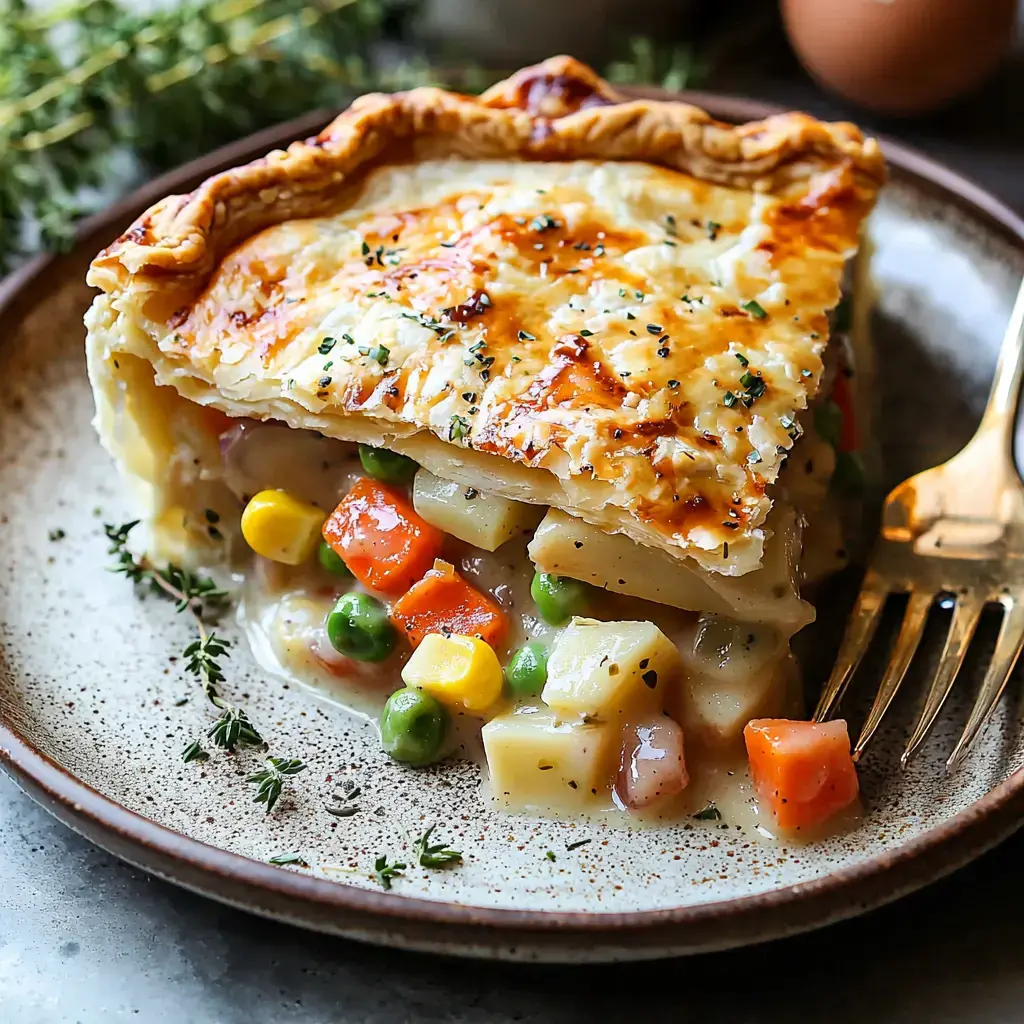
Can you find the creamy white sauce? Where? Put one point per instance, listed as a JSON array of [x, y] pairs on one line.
[[283, 610]]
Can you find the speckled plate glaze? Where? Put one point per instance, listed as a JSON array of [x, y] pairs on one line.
[[90, 688]]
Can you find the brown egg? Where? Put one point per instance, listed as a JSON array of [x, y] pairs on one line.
[[900, 56]]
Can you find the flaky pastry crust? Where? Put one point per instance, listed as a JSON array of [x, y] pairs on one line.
[[614, 307], [557, 110]]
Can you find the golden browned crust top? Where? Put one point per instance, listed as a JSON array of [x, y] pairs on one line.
[[557, 110]]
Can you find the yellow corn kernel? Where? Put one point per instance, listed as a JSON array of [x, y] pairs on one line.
[[282, 528], [460, 671]]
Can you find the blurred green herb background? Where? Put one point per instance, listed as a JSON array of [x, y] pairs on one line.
[[96, 95]]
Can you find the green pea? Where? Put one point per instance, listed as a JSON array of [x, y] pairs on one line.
[[331, 560], [559, 598], [413, 726], [359, 627], [389, 467], [527, 672]]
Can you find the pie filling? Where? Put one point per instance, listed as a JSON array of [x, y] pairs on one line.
[[533, 461]]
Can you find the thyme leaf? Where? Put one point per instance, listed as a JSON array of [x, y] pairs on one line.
[[385, 872], [434, 855], [270, 780]]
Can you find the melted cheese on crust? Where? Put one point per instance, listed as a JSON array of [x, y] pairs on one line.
[[645, 337]]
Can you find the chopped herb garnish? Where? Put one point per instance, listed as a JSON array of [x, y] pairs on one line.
[[550, 855], [575, 846], [708, 813], [754, 387], [673, 383], [670, 225], [365, 249], [349, 339], [385, 872], [436, 855], [654, 328], [57, 534], [586, 334], [544, 222], [729, 400], [631, 316], [755, 309], [324, 382], [379, 353], [713, 228], [424, 321], [326, 345], [525, 336], [458, 429], [743, 360]]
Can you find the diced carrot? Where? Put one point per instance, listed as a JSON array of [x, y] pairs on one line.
[[802, 771], [382, 540], [443, 602], [842, 395]]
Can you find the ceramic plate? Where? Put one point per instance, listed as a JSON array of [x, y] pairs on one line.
[[92, 722]]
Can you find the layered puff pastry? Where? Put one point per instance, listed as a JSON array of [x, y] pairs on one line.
[[613, 308]]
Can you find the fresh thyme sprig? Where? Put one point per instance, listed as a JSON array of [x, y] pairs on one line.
[[385, 872], [202, 598], [272, 777], [99, 92], [433, 855], [671, 66]]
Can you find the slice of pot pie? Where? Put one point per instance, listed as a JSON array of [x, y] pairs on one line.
[[527, 400]]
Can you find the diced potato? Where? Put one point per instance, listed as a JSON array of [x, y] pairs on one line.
[[536, 760], [567, 546], [732, 672], [610, 669], [484, 520]]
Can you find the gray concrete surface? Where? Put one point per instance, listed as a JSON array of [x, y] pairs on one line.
[[85, 939]]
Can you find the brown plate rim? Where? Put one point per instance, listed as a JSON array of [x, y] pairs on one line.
[[311, 901]]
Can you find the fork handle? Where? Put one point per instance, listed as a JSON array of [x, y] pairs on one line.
[[999, 418]]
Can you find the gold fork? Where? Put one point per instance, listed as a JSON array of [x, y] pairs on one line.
[[956, 530]]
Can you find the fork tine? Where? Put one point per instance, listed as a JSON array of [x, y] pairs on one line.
[[859, 632], [914, 619], [1004, 658], [961, 632]]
